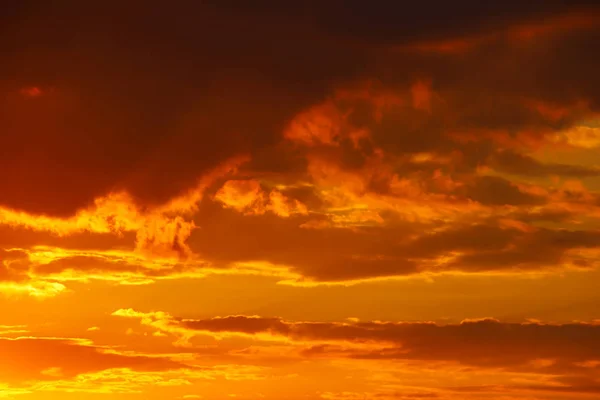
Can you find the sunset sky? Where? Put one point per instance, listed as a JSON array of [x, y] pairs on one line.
[[299, 200]]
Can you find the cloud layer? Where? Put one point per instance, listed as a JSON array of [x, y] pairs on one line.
[[286, 158]]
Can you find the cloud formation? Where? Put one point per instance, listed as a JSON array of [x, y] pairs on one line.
[[348, 149], [286, 158], [566, 353], [471, 341], [48, 358]]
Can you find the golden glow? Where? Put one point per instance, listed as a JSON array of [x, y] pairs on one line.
[[301, 201]]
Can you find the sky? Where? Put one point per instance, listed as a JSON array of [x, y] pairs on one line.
[[303, 200]]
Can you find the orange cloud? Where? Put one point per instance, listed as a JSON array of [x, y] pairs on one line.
[[583, 136], [248, 196], [31, 91], [369, 157], [114, 213], [46, 365], [240, 194], [320, 124], [421, 95], [48, 358], [165, 237], [547, 349]]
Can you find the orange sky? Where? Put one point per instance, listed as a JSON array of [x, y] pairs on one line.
[[314, 200]]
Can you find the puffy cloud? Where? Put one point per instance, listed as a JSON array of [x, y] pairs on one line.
[[247, 196]]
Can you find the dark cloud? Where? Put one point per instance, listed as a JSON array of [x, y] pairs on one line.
[[521, 164], [564, 356], [321, 254], [385, 22], [165, 94], [150, 104], [541, 248], [479, 342], [396, 249], [495, 191], [469, 238]]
